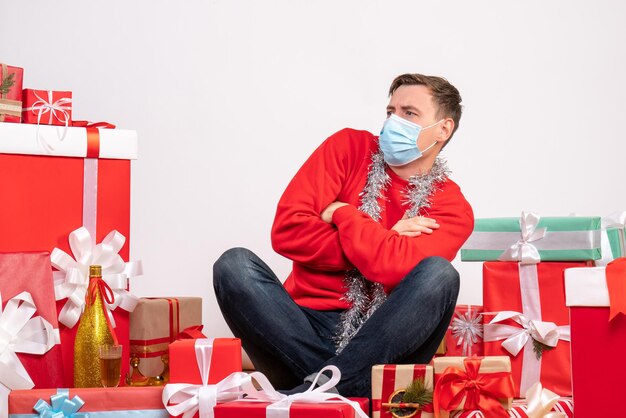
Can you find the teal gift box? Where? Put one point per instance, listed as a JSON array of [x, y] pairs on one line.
[[613, 237], [531, 239]]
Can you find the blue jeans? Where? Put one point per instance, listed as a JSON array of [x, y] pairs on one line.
[[288, 342]]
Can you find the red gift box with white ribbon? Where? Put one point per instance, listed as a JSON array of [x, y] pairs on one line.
[[47, 107], [79, 180], [525, 318]]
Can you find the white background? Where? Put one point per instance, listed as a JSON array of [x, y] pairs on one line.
[[230, 97]]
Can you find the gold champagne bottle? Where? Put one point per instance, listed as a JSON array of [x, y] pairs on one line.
[[93, 331]]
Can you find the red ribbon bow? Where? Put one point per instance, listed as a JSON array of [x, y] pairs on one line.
[[95, 284], [480, 390], [616, 283], [191, 333]]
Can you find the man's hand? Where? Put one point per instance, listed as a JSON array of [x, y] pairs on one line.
[[327, 214], [413, 227]]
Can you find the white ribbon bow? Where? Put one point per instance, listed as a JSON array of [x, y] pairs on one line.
[[72, 279], [187, 399], [516, 338], [282, 403], [614, 220], [467, 330], [20, 332], [58, 109], [523, 251], [540, 401]]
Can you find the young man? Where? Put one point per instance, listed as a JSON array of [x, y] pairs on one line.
[[371, 224]]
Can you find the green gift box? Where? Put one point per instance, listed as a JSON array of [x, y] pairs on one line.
[[531, 239], [613, 237]]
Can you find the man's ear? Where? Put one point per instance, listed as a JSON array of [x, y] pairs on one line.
[[445, 130]]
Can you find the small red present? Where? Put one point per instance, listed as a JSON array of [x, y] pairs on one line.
[[31, 354], [389, 382], [47, 107], [53, 194], [144, 402], [11, 93], [526, 319], [597, 300], [224, 356], [465, 333]]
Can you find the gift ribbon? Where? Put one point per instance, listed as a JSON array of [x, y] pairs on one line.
[[540, 402], [616, 283], [99, 286], [187, 399], [61, 406], [56, 110], [191, 333], [615, 220], [72, 279], [523, 251], [21, 332], [281, 404], [88, 124], [467, 329], [479, 390], [515, 338]]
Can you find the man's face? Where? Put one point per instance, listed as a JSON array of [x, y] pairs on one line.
[[415, 104]]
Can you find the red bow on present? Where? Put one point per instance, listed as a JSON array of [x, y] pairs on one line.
[[87, 124], [480, 390], [616, 283], [191, 333]]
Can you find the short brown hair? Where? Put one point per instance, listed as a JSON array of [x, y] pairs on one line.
[[446, 97]]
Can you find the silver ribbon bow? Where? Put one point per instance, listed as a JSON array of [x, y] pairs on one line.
[[467, 330]]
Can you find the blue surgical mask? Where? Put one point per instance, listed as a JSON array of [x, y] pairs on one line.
[[398, 140]]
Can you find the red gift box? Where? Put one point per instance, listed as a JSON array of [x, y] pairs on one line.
[[537, 292], [29, 272], [239, 409], [519, 410], [598, 344], [132, 401], [465, 333], [225, 359], [11, 93], [47, 107], [46, 195]]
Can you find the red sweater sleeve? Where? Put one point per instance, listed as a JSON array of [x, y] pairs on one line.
[[299, 233], [386, 257]]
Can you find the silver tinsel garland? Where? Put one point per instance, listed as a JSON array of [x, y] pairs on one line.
[[365, 296]]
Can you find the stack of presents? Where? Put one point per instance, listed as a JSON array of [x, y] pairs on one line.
[[548, 334]]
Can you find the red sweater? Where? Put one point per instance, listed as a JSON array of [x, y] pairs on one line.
[[322, 253]]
